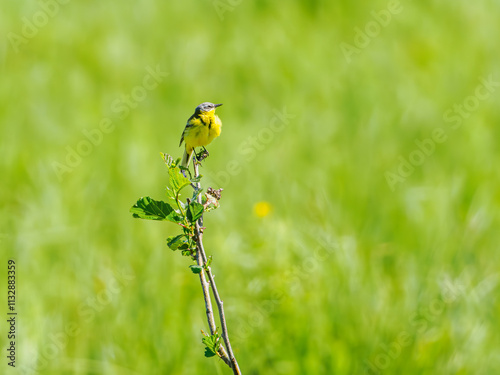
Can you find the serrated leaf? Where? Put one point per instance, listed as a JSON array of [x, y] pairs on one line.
[[177, 179], [212, 344], [194, 211], [208, 352], [147, 208], [167, 159], [209, 340], [196, 269]]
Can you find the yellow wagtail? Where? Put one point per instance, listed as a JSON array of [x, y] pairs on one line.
[[201, 129]]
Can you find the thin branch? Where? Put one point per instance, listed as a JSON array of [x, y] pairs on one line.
[[201, 256], [208, 307]]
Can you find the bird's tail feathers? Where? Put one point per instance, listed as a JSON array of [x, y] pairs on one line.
[[186, 159]]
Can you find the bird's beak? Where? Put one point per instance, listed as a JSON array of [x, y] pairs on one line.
[[218, 105]]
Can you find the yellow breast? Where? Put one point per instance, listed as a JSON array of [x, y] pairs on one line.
[[215, 128], [205, 129]]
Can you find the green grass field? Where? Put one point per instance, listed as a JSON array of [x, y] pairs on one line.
[[369, 130]]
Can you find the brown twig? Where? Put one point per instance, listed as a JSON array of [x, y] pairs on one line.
[[201, 259], [208, 307]]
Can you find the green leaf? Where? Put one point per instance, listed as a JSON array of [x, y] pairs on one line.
[[177, 179], [167, 159], [147, 208], [170, 193], [212, 344], [179, 242], [173, 201], [196, 192], [196, 269], [196, 179], [208, 352], [194, 211]]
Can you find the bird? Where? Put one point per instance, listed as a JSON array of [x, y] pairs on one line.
[[201, 129]]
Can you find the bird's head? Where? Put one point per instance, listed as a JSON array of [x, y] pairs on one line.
[[207, 107]]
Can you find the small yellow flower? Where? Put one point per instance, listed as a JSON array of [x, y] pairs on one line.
[[262, 209]]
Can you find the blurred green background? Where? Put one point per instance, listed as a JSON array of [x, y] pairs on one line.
[[333, 253]]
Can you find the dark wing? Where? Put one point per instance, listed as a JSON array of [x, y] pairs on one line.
[[189, 125]]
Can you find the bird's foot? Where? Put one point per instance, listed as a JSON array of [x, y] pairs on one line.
[[202, 155]]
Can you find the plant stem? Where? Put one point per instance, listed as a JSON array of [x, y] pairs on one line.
[[201, 256], [208, 308]]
